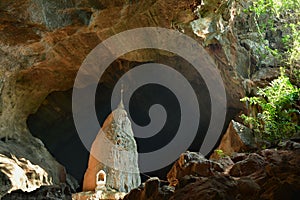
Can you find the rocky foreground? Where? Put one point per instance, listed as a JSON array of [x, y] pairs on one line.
[[266, 174]]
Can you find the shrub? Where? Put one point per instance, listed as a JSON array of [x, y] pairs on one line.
[[282, 16], [220, 153], [277, 116]]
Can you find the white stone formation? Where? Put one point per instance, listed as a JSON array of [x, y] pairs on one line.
[[114, 151]]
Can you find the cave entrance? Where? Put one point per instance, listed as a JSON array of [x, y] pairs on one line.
[[53, 122]]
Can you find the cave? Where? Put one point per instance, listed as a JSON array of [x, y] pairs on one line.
[[53, 121], [44, 43]]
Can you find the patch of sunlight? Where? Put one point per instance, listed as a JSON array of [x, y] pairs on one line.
[[23, 174]]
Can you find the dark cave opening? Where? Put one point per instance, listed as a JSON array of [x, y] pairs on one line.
[[53, 122]]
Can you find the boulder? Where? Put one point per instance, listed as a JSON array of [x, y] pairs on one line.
[[251, 164], [152, 189], [277, 172], [191, 163], [218, 187], [192, 187], [238, 138]]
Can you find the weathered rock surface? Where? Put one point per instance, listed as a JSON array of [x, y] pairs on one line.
[[191, 163], [238, 138], [61, 192], [279, 179], [218, 187], [25, 165], [271, 174], [21, 174], [42, 45], [115, 152], [250, 165], [152, 189], [37, 61]]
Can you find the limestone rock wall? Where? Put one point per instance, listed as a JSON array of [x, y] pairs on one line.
[[37, 60], [43, 43]]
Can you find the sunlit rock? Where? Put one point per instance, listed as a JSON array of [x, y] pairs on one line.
[[21, 174]]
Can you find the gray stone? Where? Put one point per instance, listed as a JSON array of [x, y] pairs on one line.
[[259, 52], [245, 134]]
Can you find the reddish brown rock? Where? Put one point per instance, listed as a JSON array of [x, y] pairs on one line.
[[251, 164], [152, 189], [267, 175], [191, 187], [238, 138], [218, 187], [191, 163], [281, 179]]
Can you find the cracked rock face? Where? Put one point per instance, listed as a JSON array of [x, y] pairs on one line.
[[25, 164], [268, 174], [114, 151], [37, 60], [22, 174], [43, 43]]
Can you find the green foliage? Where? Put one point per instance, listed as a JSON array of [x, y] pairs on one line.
[[220, 153], [281, 15], [278, 115], [294, 51]]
